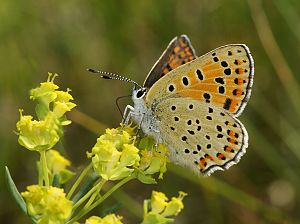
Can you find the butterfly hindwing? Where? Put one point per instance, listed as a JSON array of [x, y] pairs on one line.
[[200, 136], [221, 78], [180, 51]]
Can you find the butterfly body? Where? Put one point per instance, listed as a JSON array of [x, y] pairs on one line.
[[191, 104], [145, 116]]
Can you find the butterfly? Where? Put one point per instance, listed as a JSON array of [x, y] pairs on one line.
[[191, 104]]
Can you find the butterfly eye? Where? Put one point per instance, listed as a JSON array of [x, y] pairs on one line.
[[140, 93]]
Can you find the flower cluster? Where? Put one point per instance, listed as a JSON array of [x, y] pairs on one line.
[[108, 219], [49, 204], [115, 156], [153, 160], [44, 133], [159, 209], [119, 155]]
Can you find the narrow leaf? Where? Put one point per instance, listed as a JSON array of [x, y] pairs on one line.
[[16, 195], [65, 176], [56, 180], [14, 191]]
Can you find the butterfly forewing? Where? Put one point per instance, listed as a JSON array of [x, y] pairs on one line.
[[221, 78], [180, 51], [200, 136]]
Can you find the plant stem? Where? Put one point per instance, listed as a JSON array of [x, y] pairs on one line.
[[100, 200], [145, 205], [78, 181], [87, 195], [95, 194], [92, 198], [44, 167], [40, 173]]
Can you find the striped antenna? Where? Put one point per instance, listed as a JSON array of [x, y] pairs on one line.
[[109, 75]]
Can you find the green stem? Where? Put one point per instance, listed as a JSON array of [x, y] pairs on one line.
[[145, 205], [91, 200], [95, 194], [44, 167], [100, 200], [40, 173], [87, 195], [78, 181]]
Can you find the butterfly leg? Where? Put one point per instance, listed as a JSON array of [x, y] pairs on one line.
[[129, 110], [139, 127]]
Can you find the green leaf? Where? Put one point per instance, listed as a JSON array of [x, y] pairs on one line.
[[16, 195], [65, 176], [14, 191], [87, 185], [56, 180], [146, 143], [146, 179]]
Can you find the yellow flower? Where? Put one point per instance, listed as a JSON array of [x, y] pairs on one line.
[[116, 136], [158, 201], [49, 205], [37, 135], [129, 156], [108, 219], [62, 104], [114, 155], [44, 95], [127, 128], [56, 162], [47, 94], [174, 206], [34, 197], [155, 160], [46, 91], [158, 210], [43, 134], [64, 96]]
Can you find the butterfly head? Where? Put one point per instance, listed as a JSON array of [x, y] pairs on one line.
[[139, 92]]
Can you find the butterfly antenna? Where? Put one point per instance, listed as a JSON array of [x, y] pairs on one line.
[[109, 75]]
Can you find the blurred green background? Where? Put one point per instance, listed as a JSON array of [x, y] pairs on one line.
[[127, 37]]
